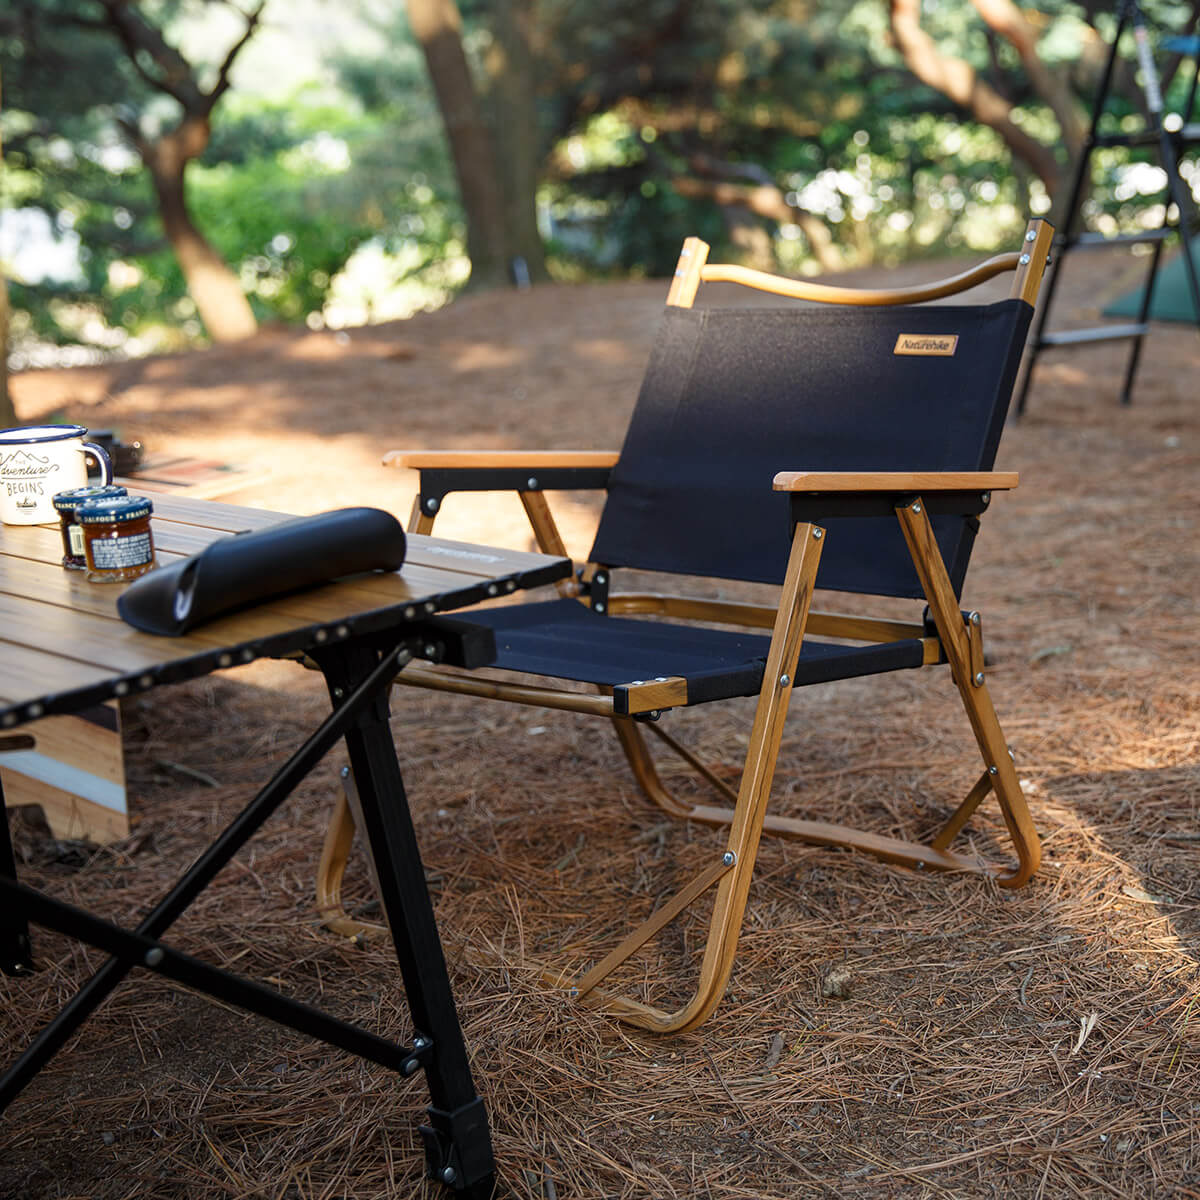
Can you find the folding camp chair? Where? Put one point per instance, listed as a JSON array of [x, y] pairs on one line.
[[878, 418]]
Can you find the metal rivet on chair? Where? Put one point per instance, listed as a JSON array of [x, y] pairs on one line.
[[430, 607], [1030, 236], [338, 693], [493, 590], [993, 770], [419, 1043], [322, 635], [974, 618], [431, 505], [599, 607], [979, 679], [986, 497], [784, 680], [449, 1175], [430, 650], [410, 1065], [660, 679], [818, 533], [153, 957], [343, 631], [1024, 260], [531, 483], [729, 858], [35, 710], [916, 508], [225, 660], [601, 578]]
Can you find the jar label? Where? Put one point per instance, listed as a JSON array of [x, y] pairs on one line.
[[111, 554], [75, 533]]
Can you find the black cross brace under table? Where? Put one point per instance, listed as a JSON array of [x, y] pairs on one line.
[[457, 1142]]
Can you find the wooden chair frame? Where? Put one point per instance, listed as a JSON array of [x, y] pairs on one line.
[[955, 638]]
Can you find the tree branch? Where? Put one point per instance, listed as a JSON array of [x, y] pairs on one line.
[[222, 85], [138, 36], [958, 80], [1006, 20]]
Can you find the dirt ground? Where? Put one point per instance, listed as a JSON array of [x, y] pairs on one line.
[[1037, 1043]]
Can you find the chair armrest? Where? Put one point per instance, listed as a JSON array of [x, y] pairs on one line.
[[895, 482], [519, 459], [524, 471], [819, 495]]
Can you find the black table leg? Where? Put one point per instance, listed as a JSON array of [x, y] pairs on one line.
[[77, 1010], [458, 1148], [16, 951]]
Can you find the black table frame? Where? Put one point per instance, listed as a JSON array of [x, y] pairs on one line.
[[358, 664]]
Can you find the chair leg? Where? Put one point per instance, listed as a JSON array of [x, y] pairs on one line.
[[998, 761], [999, 776], [335, 853], [733, 884]]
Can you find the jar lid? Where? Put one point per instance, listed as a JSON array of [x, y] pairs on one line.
[[118, 509], [71, 499]]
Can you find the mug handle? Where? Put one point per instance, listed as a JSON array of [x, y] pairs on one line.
[[101, 456]]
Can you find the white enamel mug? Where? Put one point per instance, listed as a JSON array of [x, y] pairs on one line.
[[37, 461]]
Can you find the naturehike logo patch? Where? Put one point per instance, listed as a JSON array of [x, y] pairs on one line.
[[927, 343]]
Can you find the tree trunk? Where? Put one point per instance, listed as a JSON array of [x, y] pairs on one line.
[[514, 120], [213, 287], [437, 26], [958, 81]]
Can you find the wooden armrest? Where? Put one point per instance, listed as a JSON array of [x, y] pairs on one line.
[[440, 459], [895, 481], [805, 289]]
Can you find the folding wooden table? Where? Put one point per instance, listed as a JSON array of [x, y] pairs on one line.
[[63, 647]]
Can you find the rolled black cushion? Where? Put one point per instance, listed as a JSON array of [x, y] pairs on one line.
[[248, 568]]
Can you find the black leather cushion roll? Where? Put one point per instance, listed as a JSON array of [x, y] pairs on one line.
[[248, 568]]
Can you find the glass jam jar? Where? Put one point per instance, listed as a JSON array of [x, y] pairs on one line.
[[117, 542], [65, 504]]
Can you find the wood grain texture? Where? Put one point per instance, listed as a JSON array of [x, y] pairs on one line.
[[895, 481]]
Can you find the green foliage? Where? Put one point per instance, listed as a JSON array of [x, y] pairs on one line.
[[339, 202]]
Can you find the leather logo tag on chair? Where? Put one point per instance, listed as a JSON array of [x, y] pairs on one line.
[[927, 343]]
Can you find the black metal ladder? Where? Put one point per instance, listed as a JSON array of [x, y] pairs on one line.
[[1171, 135]]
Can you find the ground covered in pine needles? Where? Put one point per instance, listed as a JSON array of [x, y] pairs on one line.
[[886, 1033]]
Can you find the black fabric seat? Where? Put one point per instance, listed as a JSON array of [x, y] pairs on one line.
[[563, 639]]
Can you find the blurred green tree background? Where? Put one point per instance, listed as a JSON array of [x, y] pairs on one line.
[[176, 171]]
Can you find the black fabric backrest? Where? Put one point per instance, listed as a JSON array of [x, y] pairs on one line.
[[732, 396]]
